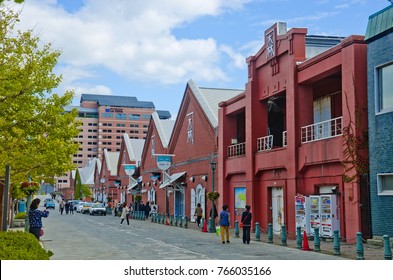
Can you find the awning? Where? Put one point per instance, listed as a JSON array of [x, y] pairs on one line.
[[133, 184], [173, 178]]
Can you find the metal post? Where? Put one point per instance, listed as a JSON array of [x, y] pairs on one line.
[[336, 243], [283, 236], [387, 251], [298, 237], [317, 241], [359, 246], [212, 226], [171, 220], [257, 232], [185, 222], [236, 228], [6, 198], [180, 221], [270, 233]]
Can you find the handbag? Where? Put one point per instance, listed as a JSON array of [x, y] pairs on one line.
[[41, 232]]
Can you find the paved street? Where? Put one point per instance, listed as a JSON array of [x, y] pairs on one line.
[[85, 237]]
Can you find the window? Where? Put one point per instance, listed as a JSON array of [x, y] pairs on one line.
[[385, 183], [121, 116], [107, 115], [135, 117], [121, 124], [384, 88], [134, 125], [146, 117]]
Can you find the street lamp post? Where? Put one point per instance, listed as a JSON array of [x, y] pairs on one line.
[[212, 218], [102, 181]]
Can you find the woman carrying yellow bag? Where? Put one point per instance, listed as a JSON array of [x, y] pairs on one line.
[[224, 224]]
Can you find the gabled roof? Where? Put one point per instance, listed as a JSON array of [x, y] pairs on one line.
[[380, 23], [117, 101], [134, 148], [209, 98], [86, 173], [111, 159], [164, 128]]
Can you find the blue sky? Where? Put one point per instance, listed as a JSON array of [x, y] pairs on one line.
[[150, 49]]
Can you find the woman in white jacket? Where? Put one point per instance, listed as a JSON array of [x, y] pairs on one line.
[[124, 214]]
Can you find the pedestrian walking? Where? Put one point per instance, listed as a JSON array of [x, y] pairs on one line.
[[198, 214], [125, 214], [71, 208], [224, 222], [147, 210], [61, 207], [67, 206], [246, 221], [35, 216]]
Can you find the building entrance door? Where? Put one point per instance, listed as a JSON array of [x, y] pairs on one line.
[[277, 209]]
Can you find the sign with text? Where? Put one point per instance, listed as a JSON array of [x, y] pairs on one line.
[[164, 161], [129, 169]]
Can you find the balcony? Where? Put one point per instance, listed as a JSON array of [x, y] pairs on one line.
[[237, 150], [266, 143], [322, 130]]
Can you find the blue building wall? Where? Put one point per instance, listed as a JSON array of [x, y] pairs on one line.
[[379, 51]]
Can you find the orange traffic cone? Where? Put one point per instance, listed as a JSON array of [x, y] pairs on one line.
[[167, 222], [305, 242], [204, 229]]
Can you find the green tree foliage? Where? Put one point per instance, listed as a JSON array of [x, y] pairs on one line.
[[16, 1], [81, 191], [36, 135]]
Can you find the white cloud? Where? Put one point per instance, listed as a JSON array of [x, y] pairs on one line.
[[132, 38]]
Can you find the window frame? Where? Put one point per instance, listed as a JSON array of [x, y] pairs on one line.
[[378, 88], [380, 189]]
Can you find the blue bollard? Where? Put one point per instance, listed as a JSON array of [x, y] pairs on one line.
[[270, 233], [336, 243], [185, 222], [152, 218], [158, 217], [387, 251], [163, 219], [171, 220], [236, 228], [180, 221], [317, 241], [257, 232], [359, 246], [176, 221], [298, 237], [283, 236]]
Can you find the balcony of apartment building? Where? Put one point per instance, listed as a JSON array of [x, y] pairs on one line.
[[321, 122], [271, 142], [235, 142]]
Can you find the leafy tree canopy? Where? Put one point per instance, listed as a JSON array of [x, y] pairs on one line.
[[36, 135]]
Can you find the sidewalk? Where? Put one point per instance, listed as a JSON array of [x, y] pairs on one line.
[[348, 251]]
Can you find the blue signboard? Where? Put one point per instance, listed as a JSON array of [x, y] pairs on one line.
[[164, 161]]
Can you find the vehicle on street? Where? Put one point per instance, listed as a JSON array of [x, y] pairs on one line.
[[79, 206], [85, 207], [74, 204], [97, 208], [49, 203]]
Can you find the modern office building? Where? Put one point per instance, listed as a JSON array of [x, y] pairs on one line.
[[105, 119]]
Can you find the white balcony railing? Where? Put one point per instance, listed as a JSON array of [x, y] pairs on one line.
[[284, 138], [237, 150], [323, 130], [265, 143]]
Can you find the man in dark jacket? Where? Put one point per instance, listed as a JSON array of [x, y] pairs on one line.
[[246, 221]]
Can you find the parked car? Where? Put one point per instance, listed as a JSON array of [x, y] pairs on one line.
[[85, 207], [49, 203], [97, 208], [74, 204], [79, 206]]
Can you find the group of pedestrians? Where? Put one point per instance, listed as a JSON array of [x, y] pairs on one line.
[[69, 208], [225, 221]]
